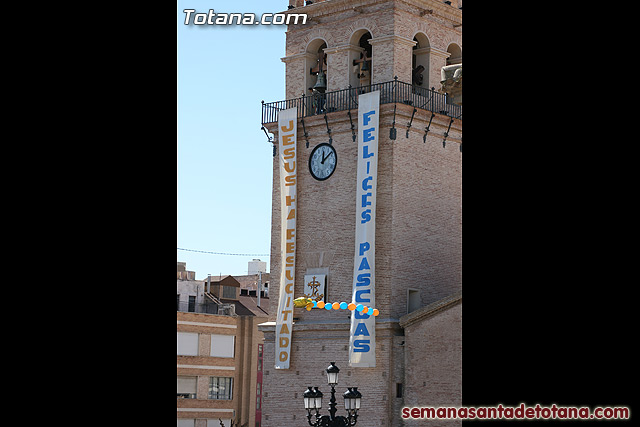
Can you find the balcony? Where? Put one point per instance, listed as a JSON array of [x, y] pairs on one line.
[[208, 308], [186, 395], [391, 92]]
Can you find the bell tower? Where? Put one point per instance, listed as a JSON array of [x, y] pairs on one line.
[[347, 49]]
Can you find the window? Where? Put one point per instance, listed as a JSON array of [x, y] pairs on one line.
[[220, 388], [413, 300], [186, 422], [187, 344], [398, 389], [222, 345], [258, 396], [192, 303], [186, 387], [228, 292]]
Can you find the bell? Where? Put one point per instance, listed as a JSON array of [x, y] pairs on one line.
[[365, 66], [321, 83]]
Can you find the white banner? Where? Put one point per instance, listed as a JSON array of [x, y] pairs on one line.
[[362, 341], [287, 137]]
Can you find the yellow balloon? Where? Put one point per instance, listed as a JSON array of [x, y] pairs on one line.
[[365, 309], [301, 302], [309, 307], [376, 312], [335, 305], [351, 306], [320, 304]]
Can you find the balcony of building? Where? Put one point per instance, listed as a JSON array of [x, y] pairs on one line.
[[394, 91], [225, 309]]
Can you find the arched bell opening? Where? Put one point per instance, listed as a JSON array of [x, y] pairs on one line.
[[455, 56], [420, 65], [361, 59], [316, 69]]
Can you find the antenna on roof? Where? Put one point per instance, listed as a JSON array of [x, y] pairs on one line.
[[259, 288]]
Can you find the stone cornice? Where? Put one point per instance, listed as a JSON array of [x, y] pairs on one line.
[[343, 48], [431, 309], [439, 52], [302, 55], [438, 8], [329, 7], [392, 37], [329, 325], [318, 11]]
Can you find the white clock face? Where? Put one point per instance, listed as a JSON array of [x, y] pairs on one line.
[[322, 161]]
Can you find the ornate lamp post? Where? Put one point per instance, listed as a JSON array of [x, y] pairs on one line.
[[313, 401]]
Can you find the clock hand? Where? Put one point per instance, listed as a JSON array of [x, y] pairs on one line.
[[325, 158]]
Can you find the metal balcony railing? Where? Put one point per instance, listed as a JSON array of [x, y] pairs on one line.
[[209, 308], [225, 309], [393, 91], [186, 395]]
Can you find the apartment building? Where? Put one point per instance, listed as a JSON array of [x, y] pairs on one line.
[[219, 352]]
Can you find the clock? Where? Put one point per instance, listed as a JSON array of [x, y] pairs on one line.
[[322, 161]]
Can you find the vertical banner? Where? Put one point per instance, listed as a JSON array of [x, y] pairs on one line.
[[287, 137], [362, 341]]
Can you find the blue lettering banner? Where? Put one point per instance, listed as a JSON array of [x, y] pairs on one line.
[[362, 341]]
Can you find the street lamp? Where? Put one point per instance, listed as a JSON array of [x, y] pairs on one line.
[[313, 401], [352, 398], [309, 398], [332, 374]]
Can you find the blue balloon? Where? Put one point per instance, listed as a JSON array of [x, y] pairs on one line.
[[327, 306], [343, 305], [315, 303], [359, 307]]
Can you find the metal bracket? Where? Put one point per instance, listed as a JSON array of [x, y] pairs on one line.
[[411, 121], [353, 129], [446, 134], [328, 130], [306, 136], [270, 139], [392, 131], [426, 130]]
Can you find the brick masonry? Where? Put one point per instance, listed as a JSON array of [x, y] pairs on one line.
[[392, 24], [432, 357], [244, 362], [418, 225]]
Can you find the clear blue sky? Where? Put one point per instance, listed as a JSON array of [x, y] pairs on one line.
[[224, 167]]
